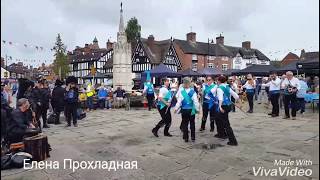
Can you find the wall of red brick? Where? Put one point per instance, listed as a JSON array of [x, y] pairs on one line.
[[186, 60]]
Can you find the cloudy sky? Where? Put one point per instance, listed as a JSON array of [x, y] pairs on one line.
[[273, 26]]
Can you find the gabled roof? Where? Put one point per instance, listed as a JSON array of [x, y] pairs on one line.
[[88, 56], [310, 55], [157, 51], [291, 55], [218, 50]]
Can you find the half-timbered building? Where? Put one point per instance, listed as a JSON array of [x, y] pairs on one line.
[[82, 60], [149, 53]]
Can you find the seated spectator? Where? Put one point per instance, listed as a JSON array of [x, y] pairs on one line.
[[83, 99], [102, 96], [108, 104], [119, 96], [19, 122]]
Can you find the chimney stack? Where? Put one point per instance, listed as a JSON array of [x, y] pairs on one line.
[[220, 39], [109, 44], [191, 37], [150, 41], [246, 44]]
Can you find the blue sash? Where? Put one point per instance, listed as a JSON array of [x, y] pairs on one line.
[[188, 100], [249, 90], [275, 92], [166, 98]]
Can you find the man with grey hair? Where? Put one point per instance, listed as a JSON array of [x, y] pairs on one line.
[[291, 86], [19, 122]]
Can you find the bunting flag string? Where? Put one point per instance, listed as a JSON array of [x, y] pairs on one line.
[[10, 60], [36, 47]]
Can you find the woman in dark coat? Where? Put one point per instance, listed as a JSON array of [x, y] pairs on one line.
[[57, 100]]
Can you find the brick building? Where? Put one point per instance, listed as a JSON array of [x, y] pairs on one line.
[[290, 57], [197, 55]]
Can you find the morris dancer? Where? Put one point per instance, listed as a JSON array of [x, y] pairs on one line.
[[189, 104], [274, 90], [208, 102], [250, 86], [149, 91], [224, 93], [163, 105]]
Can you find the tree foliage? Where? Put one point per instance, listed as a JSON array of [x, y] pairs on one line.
[[133, 29], [60, 64]]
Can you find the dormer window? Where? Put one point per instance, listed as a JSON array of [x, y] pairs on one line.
[[194, 57]]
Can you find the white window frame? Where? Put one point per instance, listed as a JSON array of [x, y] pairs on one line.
[[194, 66], [194, 57], [224, 67]]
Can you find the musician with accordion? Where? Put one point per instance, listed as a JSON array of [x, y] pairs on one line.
[[291, 86]]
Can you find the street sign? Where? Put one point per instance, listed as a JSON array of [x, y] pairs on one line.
[[93, 70]]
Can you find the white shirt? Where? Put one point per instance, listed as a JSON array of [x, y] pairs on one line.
[[163, 92], [213, 90], [235, 87], [293, 82], [180, 99], [220, 93], [249, 86], [273, 84]]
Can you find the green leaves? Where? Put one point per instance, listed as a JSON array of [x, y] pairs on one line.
[[61, 63], [133, 29]]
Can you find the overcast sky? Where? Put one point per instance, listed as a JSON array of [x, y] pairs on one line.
[[270, 25]]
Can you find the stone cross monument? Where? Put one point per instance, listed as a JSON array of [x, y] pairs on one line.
[[122, 72]]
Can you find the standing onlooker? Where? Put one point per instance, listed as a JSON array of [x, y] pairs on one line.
[[102, 96], [7, 94], [316, 84], [300, 95], [14, 88], [290, 85], [45, 98], [258, 88], [71, 106], [57, 102], [283, 77]]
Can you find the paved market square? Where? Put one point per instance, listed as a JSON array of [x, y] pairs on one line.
[[117, 134]]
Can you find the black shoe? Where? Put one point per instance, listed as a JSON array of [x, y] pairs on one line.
[[75, 125], [232, 143], [274, 115], [155, 132], [193, 140], [68, 125], [186, 140], [250, 111], [286, 117], [58, 122], [202, 129], [46, 126], [167, 134], [270, 114], [211, 130]]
